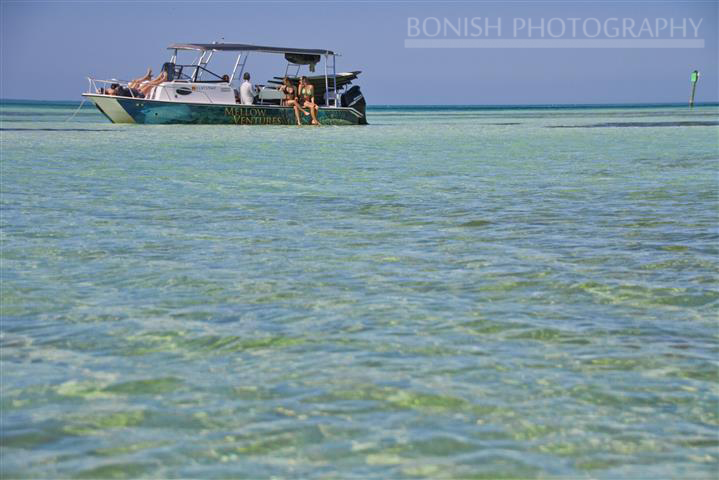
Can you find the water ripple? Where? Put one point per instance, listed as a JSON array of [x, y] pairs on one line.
[[447, 293]]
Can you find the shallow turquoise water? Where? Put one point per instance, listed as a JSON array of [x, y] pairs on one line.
[[445, 293]]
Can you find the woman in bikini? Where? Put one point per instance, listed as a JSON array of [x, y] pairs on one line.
[[290, 99], [135, 84], [307, 95], [146, 87], [141, 87]]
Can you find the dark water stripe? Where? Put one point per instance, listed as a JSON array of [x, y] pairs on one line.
[[55, 130], [57, 113], [708, 123], [409, 114], [538, 107]]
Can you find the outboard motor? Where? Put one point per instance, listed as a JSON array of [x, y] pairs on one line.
[[354, 98]]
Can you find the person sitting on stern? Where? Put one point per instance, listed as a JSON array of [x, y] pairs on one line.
[[248, 92], [307, 95], [291, 99]]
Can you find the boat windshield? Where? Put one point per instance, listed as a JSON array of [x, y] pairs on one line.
[[195, 73]]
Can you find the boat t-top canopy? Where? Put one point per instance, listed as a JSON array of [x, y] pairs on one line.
[[243, 47], [296, 57]]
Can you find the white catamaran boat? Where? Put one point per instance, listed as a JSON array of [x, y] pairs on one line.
[[192, 94]]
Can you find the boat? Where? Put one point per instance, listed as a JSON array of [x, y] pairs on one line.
[[193, 94]]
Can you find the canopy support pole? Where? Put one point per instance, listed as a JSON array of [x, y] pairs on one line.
[[204, 64], [327, 84], [334, 78], [197, 67], [232, 77], [244, 61]]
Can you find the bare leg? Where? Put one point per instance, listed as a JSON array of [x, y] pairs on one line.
[[147, 87], [160, 78], [298, 105], [312, 107], [314, 110], [296, 108], [136, 83]]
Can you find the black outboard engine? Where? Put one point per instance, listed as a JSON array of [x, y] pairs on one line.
[[354, 98]]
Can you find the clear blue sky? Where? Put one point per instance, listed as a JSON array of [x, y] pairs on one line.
[[48, 48]]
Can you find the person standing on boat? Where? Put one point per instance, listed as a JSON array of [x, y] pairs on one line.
[[248, 92], [307, 95]]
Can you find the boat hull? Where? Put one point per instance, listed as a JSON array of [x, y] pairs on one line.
[[157, 112]]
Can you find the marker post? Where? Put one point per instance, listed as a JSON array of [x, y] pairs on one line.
[[695, 79]]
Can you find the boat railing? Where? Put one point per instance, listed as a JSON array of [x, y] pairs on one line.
[[93, 88], [95, 85]]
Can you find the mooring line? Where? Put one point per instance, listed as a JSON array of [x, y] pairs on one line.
[[78, 109]]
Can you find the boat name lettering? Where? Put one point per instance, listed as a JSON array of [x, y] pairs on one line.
[[245, 112], [240, 120], [251, 116]]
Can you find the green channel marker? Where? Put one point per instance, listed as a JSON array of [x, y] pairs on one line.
[[694, 79]]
